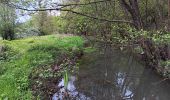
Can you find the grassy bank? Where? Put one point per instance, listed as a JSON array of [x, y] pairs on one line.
[[18, 58]]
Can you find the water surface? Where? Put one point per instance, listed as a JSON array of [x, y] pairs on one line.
[[113, 75]]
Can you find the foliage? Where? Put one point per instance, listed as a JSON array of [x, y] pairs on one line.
[[77, 24], [7, 21], [22, 56], [29, 32], [165, 63], [166, 68], [126, 34]]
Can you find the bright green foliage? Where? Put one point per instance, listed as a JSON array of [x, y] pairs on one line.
[[19, 57]]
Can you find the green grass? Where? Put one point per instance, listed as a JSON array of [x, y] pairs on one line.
[[19, 57]]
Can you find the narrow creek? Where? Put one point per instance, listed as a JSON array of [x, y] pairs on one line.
[[110, 74]]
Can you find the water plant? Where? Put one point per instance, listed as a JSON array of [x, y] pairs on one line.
[[66, 79]]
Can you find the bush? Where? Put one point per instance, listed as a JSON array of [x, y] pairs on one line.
[[28, 33]]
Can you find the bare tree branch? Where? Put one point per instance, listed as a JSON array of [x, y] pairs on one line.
[[97, 18], [72, 11], [82, 4]]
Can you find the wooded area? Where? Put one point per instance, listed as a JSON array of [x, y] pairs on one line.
[[65, 30]]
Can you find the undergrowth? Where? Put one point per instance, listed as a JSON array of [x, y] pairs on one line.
[[19, 57]]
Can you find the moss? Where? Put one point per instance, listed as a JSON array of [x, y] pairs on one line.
[[22, 56]]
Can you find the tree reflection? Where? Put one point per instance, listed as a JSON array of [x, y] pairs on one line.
[[113, 75]]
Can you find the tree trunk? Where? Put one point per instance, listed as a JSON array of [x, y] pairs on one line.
[[168, 15], [133, 8], [146, 13], [168, 26]]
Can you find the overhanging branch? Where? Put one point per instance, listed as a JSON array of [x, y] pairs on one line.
[[82, 4], [97, 18], [72, 11]]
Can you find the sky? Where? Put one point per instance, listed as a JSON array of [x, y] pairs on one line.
[[23, 17]]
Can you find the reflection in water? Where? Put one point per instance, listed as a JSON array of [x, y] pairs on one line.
[[70, 89], [113, 75]]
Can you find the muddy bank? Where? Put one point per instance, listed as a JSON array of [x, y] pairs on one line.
[[156, 57], [43, 80]]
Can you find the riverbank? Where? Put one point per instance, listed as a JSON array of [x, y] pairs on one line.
[[27, 65], [153, 48], [110, 74]]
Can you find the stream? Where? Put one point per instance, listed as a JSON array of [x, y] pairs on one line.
[[110, 74]]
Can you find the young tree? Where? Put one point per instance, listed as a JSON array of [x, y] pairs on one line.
[[7, 21], [43, 19]]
